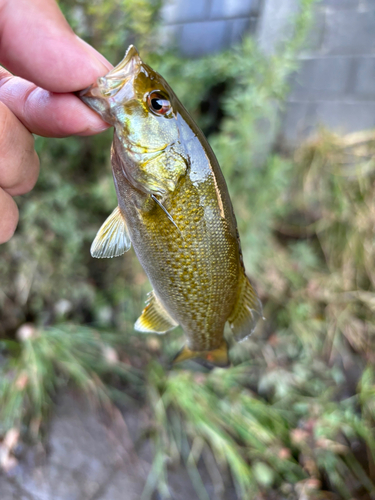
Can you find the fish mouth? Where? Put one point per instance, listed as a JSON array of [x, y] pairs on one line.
[[109, 85]]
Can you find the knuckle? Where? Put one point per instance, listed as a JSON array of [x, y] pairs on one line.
[[19, 166], [29, 178], [5, 125], [33, 174], [9, 219]]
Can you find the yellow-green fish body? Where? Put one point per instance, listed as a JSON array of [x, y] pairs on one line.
[[175, 209]]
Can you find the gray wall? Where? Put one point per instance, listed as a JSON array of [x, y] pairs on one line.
[[335, 85], [205, 26]]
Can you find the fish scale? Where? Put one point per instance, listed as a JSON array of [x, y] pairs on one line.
[[199, 316], [175, 210]]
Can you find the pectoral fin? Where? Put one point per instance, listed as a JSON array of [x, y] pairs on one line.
[[154, 317], [165, 211], [217, 357], [112, 238], [246, 312]]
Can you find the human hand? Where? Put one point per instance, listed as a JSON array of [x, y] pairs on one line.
[[50, 61]]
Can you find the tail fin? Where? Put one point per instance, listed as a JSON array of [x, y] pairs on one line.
[[217, 357]]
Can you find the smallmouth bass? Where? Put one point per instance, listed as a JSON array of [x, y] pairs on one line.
[[174, 208]]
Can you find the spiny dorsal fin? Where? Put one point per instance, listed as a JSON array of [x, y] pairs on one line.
[[154, 317], [246, 312], [112, 238], [217, 357]]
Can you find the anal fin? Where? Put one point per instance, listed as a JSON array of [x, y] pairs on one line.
[[112, 238], [216, 357], [154, 317], [246, 312]]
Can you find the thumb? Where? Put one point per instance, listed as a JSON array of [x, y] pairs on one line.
[[38, 44]]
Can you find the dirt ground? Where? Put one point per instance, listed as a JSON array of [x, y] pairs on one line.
[[88, 455]]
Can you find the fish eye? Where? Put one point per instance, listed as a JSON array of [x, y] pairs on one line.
[[158, 103]]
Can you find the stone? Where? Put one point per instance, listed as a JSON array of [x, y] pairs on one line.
[[123, 486], [71, 442], [85, 456], [301, 119], [322, 78], [342, 4], [238, 28], [56, 483], [366, 5], [364, 78], [297, 123], [231, 8], [169, 35], [181, 11], [256, 7], [198, 39], [349, 33], [346, 117], [275, 24], [11, 491], [91, 456], [315, 36]]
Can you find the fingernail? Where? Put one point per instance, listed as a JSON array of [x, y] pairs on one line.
[[98, 61], [95, 125]]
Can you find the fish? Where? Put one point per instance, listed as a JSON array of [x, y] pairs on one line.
[[174, 209]]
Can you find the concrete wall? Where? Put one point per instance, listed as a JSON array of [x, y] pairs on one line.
[[335, 85], [205, 26]]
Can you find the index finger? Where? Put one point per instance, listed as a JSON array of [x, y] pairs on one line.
[[38, 44]]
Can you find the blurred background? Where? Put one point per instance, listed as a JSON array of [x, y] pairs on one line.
[[285, 92]]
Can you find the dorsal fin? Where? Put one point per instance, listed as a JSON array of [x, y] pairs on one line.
[[154, 317], [247, 310], [112, 238]]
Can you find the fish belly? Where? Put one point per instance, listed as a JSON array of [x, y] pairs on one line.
[[194, 267]]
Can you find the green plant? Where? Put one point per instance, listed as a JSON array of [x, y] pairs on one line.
[[46, 360]]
